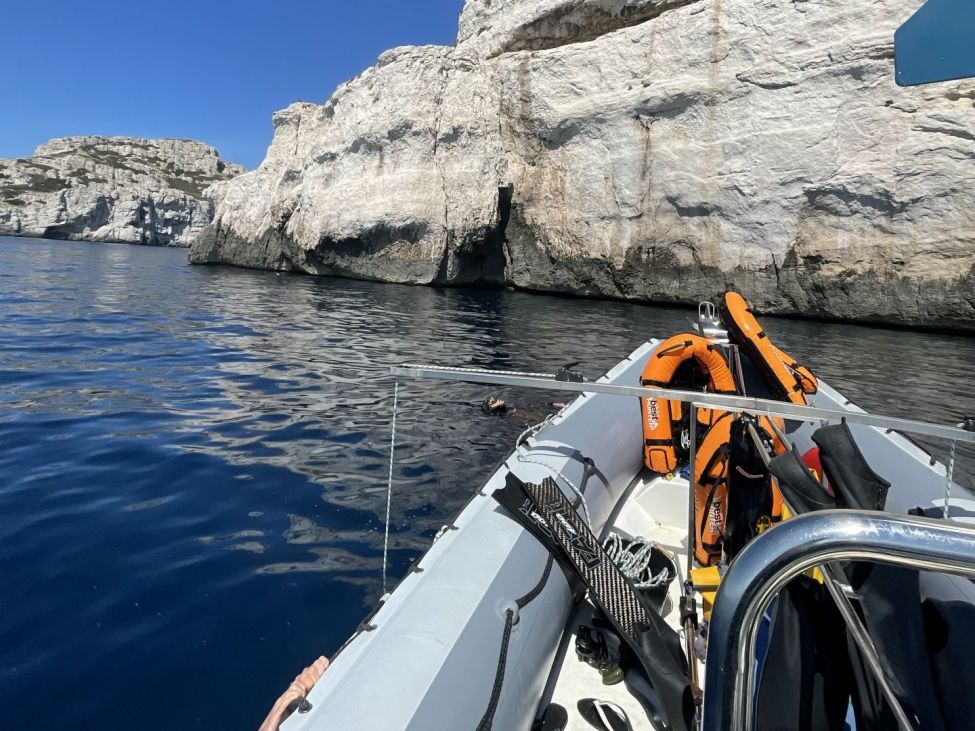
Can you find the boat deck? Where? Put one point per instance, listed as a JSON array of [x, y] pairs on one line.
[[655, 509]]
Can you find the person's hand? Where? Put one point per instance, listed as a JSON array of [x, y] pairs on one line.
[[306, 680], [300, 688]]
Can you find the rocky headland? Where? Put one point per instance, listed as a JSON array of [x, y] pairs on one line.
[[122, 189], [651, 150]]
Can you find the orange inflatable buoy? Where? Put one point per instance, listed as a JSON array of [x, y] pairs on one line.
[[815, 465], [682, 361], [787, 379], [807, 381], [711, 486]]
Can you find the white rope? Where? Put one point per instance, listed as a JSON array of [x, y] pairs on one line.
[[948, 473], [532, 431], [389, 483], [634, 564]]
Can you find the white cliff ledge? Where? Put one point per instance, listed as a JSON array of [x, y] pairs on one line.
[[112, 189], [648, 150]]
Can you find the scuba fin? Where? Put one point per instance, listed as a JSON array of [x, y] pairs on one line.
[[801, 490], [547, 514], [856, 485]]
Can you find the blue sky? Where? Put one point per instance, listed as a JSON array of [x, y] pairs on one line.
[[212, 70]]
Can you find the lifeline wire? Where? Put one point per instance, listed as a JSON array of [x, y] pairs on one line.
[[389, 483], [481, 371], [948, 473]]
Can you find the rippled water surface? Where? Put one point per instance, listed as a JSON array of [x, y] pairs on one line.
[[193, 461]]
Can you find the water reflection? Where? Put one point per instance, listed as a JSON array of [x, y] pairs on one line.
[[194, 460]]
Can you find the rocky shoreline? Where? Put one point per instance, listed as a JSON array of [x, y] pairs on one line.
[[657, 152], [117, 189]]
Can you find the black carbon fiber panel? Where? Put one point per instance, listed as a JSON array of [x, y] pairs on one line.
[[546, 512]]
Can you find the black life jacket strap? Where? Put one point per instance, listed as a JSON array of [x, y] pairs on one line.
[[677, 346]]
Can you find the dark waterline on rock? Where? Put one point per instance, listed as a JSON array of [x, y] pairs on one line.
[[192, 472], [55, 237]]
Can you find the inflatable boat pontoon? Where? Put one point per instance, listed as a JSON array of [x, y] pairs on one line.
[[494, 626]]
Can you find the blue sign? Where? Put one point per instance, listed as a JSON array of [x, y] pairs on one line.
[[936, 44]]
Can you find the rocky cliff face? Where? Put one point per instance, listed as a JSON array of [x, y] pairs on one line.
[[657, 150], [112, 189]]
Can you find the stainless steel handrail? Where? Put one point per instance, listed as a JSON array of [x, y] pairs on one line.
[[859, 633], [708, 400], [777, 556]]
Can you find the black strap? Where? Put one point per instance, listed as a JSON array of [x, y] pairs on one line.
[[528, 598], [487, 720], [679, 346], [654, 382], [720, 454], [589, 469]]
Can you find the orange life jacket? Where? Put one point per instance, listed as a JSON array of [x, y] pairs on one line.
[[788, 379], [711, 487], [663, 419]]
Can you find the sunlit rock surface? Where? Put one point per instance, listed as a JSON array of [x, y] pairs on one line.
[[659, 151], [112, 189]]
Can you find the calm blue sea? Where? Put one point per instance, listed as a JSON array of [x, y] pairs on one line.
[[193, 461]]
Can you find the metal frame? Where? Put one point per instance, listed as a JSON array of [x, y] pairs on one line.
[[860, 634], [776, 557], [708, 400]]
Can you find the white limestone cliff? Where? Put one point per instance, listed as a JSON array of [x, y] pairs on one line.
[[653, 151], [122, 189]]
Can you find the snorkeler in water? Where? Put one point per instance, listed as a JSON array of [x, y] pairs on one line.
[[531, 414]]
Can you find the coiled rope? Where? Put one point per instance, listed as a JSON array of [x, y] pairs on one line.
[[389, 483], [633, 561]]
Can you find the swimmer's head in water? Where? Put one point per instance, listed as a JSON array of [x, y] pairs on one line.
[[495, 405]]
